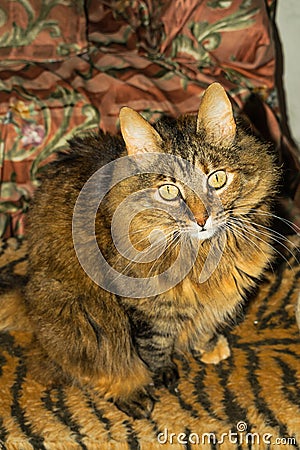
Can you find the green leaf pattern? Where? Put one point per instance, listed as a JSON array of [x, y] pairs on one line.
[[44, 103], [208, 36], [19, 36], [35, 149]]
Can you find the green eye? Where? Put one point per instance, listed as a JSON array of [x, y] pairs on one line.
[[217, 179], [169, 192]]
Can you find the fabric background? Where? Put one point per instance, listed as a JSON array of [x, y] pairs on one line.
[[68, 66]]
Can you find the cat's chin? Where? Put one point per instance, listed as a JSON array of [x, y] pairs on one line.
[[202, 235]]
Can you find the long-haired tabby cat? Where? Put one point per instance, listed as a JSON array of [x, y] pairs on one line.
[[122, 345]]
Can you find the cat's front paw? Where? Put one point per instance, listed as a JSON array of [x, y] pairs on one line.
[[138, 405], [167, 376], [218, 352]]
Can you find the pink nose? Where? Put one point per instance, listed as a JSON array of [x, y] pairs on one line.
[[201, 220]]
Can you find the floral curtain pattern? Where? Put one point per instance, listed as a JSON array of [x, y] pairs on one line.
[[41, 30], [68, 66]]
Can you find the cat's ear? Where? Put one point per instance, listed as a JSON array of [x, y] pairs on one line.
[[215, 116], [138, 134]]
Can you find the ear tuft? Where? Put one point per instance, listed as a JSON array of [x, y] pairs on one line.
[[138, 134], [215, 116]]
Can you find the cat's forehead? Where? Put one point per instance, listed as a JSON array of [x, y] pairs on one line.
[[201, 155], [203, 166], [182, 140]]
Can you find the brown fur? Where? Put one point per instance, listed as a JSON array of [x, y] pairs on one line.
[[258, 384], [119, 345]]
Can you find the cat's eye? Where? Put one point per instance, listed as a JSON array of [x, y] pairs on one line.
[[217, 179], [169, 192]]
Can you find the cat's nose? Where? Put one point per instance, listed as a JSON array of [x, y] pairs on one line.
[[201, 219]]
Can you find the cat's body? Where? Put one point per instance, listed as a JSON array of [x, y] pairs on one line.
[[89, 334]]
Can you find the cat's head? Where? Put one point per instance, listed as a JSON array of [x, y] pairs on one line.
[[236, 168]]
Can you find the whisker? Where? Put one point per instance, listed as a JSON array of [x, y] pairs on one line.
[[294, 228], [235, 229], [248, 239], [254, 234], [155, 246], [137, 243], [268, 232], [147, 227], [173, 242]]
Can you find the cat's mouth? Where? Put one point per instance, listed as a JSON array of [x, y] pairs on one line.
[[201, 232]]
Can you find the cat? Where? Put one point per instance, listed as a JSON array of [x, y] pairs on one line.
[[87, 333]]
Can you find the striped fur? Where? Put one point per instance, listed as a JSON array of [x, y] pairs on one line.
[[258, 384]]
